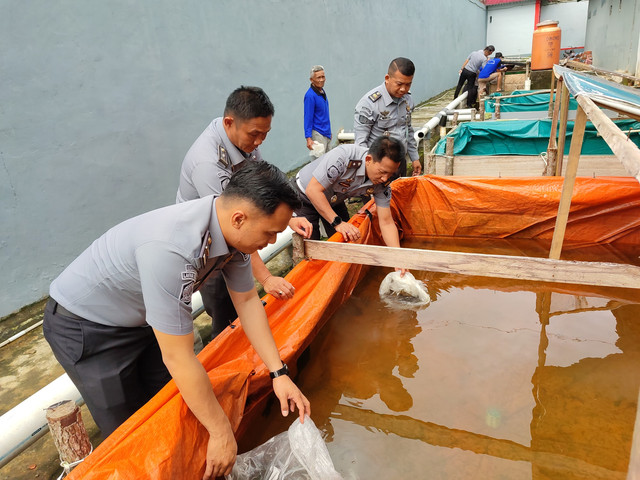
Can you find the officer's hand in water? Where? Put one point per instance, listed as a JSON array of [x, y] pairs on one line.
[[417, 168], [349, 232], [291, 397], [278, 287], [301, 226]]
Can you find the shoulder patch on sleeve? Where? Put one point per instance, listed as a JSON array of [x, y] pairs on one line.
[[375, 96], [223, 156]]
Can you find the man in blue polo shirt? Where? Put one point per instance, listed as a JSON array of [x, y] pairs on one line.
[[490, 72], [317, 125]]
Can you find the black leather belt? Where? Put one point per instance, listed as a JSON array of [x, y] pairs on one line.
[[57, 308]]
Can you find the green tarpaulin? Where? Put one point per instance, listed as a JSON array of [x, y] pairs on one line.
[[524, 137], [537, 102]]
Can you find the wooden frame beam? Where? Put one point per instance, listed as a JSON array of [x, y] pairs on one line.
[[621, 146], [500, 266]]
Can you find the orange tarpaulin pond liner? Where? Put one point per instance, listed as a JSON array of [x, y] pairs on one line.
[[163, 440]]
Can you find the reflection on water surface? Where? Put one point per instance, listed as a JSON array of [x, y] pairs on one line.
[[495, 379]]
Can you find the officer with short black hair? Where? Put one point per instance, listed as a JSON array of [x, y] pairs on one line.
[[228, 144], [386, 110], [119, 317]]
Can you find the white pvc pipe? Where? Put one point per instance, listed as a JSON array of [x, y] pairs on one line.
[[433, 123], [346, 136], [26, 422]]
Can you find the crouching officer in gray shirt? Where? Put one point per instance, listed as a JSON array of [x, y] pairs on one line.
[[348, 171], [119, 317]]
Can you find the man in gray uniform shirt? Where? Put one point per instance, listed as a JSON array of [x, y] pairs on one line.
[[469, 73], [386, 110], [119, 317], [348, 171], [228, 144]]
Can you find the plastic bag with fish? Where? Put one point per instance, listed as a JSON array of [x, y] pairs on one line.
[[297, 454], [403, 292]]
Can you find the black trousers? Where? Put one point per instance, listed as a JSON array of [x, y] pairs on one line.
[[116, 369], [310, 213], [470, 79], [217, 303]]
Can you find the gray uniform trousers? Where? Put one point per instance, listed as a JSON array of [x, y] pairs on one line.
[[116, 369]]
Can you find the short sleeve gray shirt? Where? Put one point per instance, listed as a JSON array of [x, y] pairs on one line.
[[378, 113], [476, 61], [144, 270], [209, 163], [342, 173]]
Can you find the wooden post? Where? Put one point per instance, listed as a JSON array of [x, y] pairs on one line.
[[482, 111], [454, 120], [69, 435], [567, 186], [550, 168], [473, 114], [443, 132], [551, 91], [448, 169], [562, 135], [430, 167], [297, 243], [497, 107]]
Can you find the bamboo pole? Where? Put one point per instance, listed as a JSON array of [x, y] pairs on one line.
[[567, 186], [621, 146], [500, 266], [473, 114], [562, 135], [482, 110], [535, 92], [497, 108]]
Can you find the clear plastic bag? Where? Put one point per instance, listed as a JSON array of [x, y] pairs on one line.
[[317, 149], [403, 292], [297, 454]]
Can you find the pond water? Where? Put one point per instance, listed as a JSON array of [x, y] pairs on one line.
[[494, 379]]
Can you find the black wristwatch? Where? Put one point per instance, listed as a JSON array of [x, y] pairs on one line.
[[336, 221], [283, 371]]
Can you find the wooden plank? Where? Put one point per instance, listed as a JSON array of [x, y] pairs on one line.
[[590, 68], [562, 134], [501, 266], [524, 166], [622, 147], [567, 185]]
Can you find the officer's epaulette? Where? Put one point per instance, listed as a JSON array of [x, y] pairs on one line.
[[223, 156], [354, 163], [375, 96]]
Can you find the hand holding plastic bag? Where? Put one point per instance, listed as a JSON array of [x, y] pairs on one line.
[[297, 454]]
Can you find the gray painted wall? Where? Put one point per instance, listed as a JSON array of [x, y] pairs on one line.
[[612, 34], [101, 100]]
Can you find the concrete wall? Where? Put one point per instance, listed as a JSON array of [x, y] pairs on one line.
[[612, 34], [510, 27], [101, 100]]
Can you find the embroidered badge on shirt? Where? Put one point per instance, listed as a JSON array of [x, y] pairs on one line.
[[223, 157], [190, 273], [375, 96], [384, 114], [186, 292]]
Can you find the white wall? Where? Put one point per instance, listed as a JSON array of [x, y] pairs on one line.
[[572, 18], [612, 34], [101, 100], [510, 27]]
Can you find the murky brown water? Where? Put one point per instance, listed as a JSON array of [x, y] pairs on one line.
[[496, 379]]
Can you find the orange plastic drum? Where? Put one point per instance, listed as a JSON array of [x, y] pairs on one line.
[[545, 51]]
